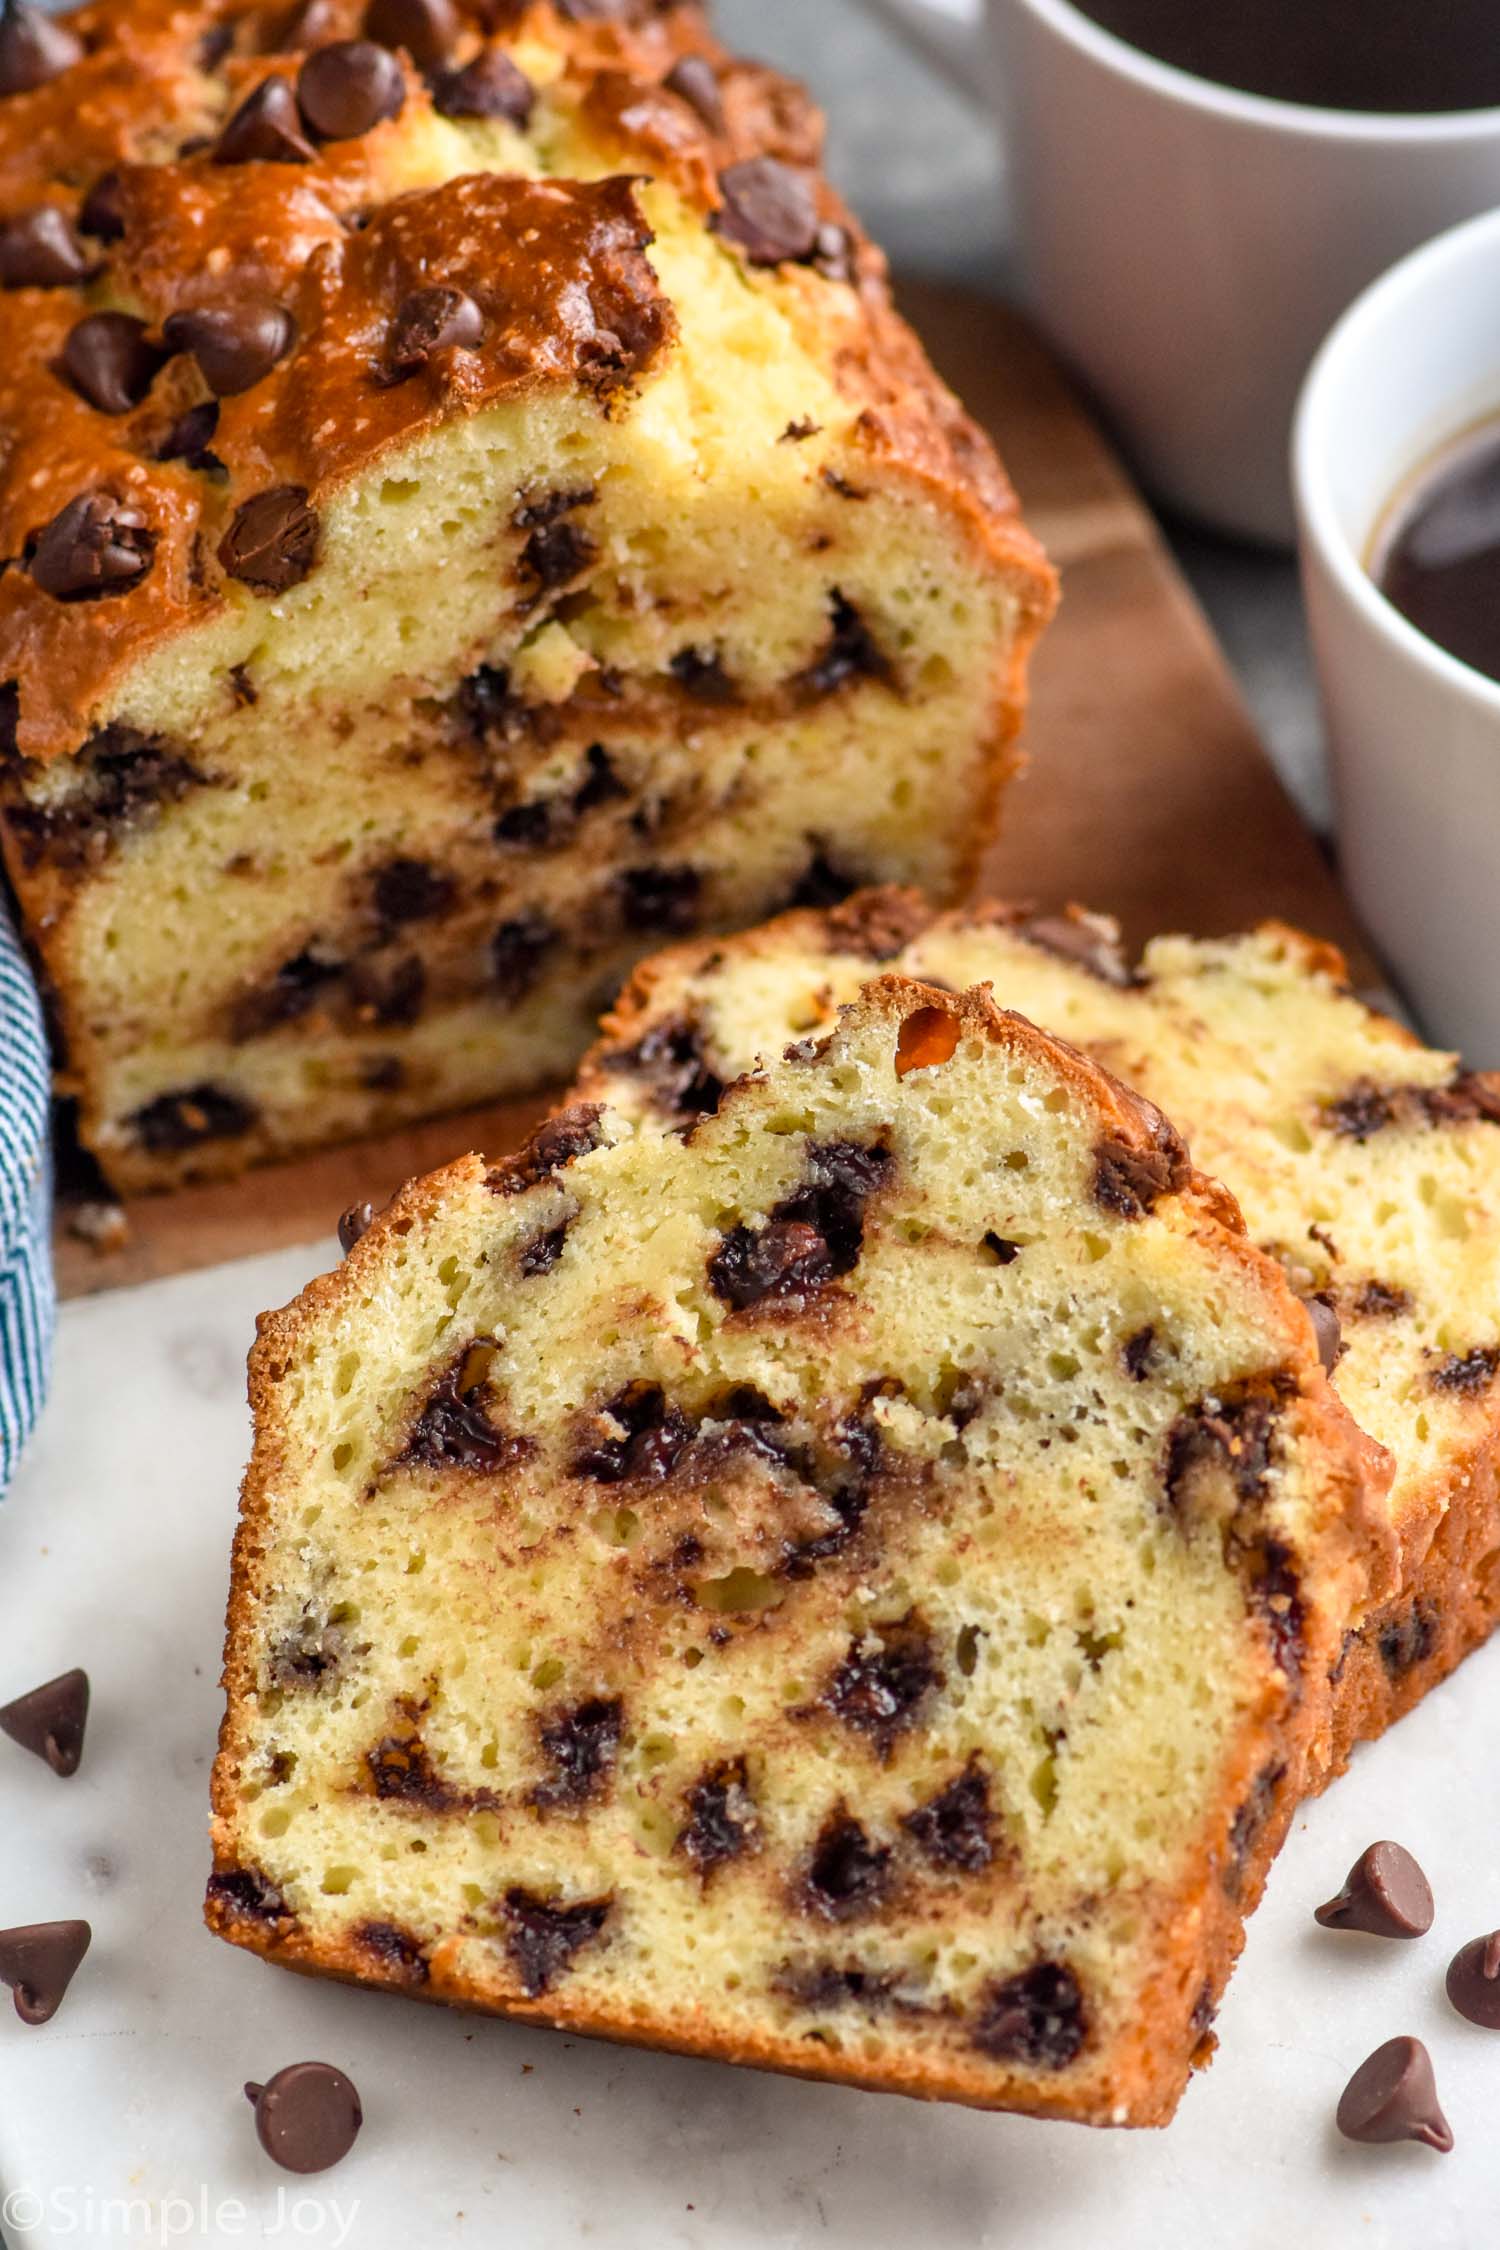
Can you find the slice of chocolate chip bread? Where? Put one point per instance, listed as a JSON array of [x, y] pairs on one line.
[[467, 512], [1368, 1163], [851, 1589]]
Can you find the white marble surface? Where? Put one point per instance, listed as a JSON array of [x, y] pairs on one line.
[[125, 2117]]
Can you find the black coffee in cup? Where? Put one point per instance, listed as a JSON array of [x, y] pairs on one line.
[[1437, 554], [1403, 57]]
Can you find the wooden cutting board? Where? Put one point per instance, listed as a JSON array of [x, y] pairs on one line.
[[1149, 795]]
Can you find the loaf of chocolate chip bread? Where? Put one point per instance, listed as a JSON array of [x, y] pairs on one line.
[[850, 1589], [467, 510], [1364, 1161]]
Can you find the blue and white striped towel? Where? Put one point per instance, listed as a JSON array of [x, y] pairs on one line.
[[28, 1304]]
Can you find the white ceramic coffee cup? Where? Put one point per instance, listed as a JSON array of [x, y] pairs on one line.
[[1187, 246], [1414, 734]]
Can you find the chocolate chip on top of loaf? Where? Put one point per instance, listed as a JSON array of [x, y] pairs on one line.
[[747, 1590], [1364, 1161], [468, 439]]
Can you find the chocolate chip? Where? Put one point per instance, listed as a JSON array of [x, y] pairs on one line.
[[579, 1747], [402, 1772], [518, 952], [1130, 1180], [272, 542], [1233, 1435], [429, 322], [411, 890], [34, 48], [109, 362], [671, 1058], [645, 1443], [541, 1253], [305, 1658], [821, 1985], [49, 1721], [556, 553], [814, 1235], [544, 1935], [489, 86], [953, 1828], [557, 1142], [39, 250], [535, 514], [887, 1675], [354, 1224], [97, 546], [701, 673], [349, 88], [243, 1894], [851, 653], [1087, 940], [306, 2117], [265, 129], [1380, 1300], [1473, 1981], [1467, 1374], [847, 1874], [289, 994], [38, 1961], [1137, 1352], [102, 213], [307, 24], [185, 1120], [660, 898], [1393, 2097], [1036, 2018], [425, 28], [722, 1822], [191, 436], [388, 993], [235, 345], [1385, 1894], [1405, 1642], [1323, 1313], [694, 80], [823, 883], [1364, 1110], [403, 1956], [769, 210], [453, 1430]]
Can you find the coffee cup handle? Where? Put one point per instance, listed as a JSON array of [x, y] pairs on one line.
[[947, 33]]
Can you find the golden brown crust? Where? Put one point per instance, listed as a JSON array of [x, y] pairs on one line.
[[561, 262], [1140, 2079]]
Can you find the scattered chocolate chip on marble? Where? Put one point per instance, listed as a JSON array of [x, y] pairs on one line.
[[265, 129], [354, 1223], [39, 249], [235, 345], [1473, 1981], [349, 88], [307, 2116], [50, 1720], [34, 48], [109, 362], [1385, 1894], [425, 28], [769, 209], [38, 1961], [489, 86], [1393, 2097]]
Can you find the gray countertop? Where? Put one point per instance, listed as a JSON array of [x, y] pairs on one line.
[[923, 169]]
